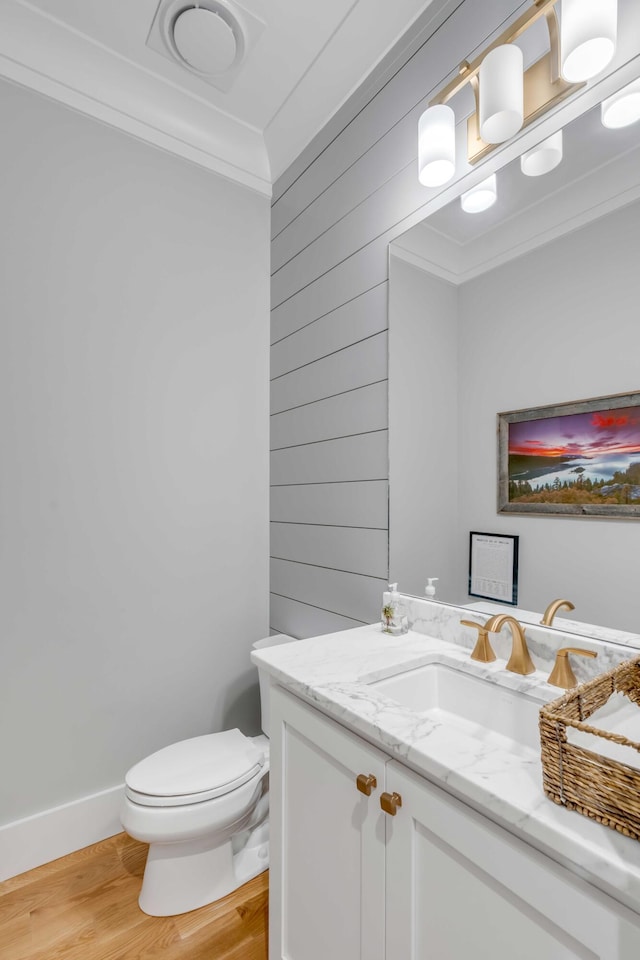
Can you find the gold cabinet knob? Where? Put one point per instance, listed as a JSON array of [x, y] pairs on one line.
[[390, 803], [562, 675], [366, 782], [483, 651]]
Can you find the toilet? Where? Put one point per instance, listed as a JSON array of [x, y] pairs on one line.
[[202, 806]]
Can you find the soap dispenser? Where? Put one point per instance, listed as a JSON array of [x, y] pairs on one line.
[[430, 590], [393, 618]]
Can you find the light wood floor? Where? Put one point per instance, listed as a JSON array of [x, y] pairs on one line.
[[84, 907]]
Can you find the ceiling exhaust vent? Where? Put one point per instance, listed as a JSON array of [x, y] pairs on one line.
[[210, 38]]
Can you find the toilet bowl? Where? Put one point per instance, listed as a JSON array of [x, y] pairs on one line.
[[202, 806]]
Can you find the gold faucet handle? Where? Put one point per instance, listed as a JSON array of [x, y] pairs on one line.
[[483, 651], [562, 675]]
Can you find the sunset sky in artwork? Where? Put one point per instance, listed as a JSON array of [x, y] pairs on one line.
[[596, 434]]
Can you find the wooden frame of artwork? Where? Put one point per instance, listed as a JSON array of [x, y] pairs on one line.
[[580, 458]]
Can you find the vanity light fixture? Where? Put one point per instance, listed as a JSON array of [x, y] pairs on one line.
[[436, 146], [544, 157], [506, 98], [588, 31], [501, 100], [480, 197], [623, 108]]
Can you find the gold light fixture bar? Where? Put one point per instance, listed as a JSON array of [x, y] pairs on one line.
[[543, 84]]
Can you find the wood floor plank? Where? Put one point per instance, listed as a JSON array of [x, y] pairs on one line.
[[13, 936], [84, 907], [67, 880]]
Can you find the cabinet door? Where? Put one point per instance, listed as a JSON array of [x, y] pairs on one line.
[[327, 839], [460, 887]]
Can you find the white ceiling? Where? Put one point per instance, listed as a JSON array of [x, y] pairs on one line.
[[309, 57]]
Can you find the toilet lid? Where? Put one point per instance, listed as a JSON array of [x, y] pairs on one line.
[[194, 770]]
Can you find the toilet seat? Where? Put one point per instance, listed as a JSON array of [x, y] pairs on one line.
[[195, 770]]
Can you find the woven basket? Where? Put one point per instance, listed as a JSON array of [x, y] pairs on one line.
[[580, 779]]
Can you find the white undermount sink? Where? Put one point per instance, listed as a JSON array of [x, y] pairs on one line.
[[471, 704]]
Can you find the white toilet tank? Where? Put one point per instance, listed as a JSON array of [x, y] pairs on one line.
[[263, 676]]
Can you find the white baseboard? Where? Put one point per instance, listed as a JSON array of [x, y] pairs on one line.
[[54, 833]]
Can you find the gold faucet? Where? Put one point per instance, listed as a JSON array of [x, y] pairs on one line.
[[553, 608], [519, 661], [483, 650], [562, 674]]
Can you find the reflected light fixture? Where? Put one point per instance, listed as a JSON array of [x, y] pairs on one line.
[[506, 98], [480, 197], [544, 157], [588, 31], [623, 108]]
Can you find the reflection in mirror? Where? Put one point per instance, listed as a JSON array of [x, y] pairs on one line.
[[531, 302]]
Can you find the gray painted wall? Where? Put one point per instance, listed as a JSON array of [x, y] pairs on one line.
[[335, 211], [133, 425]]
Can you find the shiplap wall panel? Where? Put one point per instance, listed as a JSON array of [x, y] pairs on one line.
[[351, 549], [354, 366], [458, 39], [335, 280], [351, 322], [362, 410], [344, 203], [375, 167], [298, 619], [358, 596], [365, 269], [354, 504], [365, 457], [392, 203]]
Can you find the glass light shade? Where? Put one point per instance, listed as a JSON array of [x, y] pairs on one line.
[[480, 197], [436, 146], [588, 30], [501, 93], [623, 108], [544, 157]]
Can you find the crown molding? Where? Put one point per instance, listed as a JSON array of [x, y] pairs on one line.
[[39, 53], [422, 262], [576, 205]]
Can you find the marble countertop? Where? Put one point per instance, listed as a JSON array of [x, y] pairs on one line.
[[333, 672], [561, 622]]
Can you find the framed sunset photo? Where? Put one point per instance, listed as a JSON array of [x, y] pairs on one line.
[[580, 458]]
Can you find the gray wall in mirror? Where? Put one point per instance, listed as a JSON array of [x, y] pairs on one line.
[[557, 324]]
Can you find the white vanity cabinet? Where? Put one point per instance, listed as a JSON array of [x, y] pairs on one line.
[[327, 882], [459, 886], [435, 881]]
